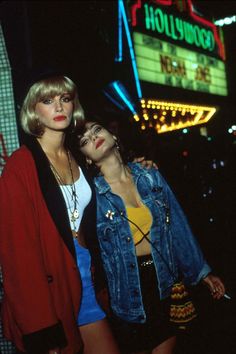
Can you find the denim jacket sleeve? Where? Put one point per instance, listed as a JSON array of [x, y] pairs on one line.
[[189, 257]]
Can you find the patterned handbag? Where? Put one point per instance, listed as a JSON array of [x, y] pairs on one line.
[[182, 309]]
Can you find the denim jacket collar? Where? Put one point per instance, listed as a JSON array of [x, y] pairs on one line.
[[103, 187]]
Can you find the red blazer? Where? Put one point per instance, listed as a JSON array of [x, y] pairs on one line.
[[42, 287]]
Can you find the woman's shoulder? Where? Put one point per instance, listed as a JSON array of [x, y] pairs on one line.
[[152, 174], [137, 168], [20, 154], [19, 159]]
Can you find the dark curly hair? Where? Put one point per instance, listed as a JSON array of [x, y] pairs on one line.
[[72, 142]]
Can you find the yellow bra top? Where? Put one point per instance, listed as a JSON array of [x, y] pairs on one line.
[[142, 217]]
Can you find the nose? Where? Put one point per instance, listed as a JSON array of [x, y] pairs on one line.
[[93, 136], [59, 106]]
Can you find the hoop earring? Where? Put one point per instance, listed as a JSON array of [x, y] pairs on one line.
[[117, 146]]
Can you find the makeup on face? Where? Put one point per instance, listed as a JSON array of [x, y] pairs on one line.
[[89, 132], [99, 143], [59, 118]]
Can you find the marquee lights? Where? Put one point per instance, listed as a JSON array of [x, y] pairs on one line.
[[169, 116]]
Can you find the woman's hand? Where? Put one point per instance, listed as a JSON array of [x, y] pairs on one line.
[[215, 286], [145, 163]]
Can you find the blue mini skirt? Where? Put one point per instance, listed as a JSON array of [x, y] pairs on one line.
[[90, 311]]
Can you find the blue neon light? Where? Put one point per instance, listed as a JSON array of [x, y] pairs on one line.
[[133, 61], [113, 100], [119, 56], [124, 98]]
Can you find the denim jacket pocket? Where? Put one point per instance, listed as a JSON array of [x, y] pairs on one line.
[[107, 235]]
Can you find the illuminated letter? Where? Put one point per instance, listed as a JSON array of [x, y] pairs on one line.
[[172, 27], [203, 74], [204, 40], [149, 18], [166, 64], [160, 25], [196, 33], [167, 30], [211, 41], [188, 33], [179, 27]]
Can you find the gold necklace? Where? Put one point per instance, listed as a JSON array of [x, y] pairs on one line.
[[70, 188]]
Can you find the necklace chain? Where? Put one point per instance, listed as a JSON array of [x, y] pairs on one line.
[[71, 190]]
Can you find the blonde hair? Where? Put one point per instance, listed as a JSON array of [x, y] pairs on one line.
[[45, 88]]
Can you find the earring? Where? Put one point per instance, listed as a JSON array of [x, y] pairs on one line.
[[88, 163], [117, 146]]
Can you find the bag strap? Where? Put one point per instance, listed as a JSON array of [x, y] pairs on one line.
[[146, 238]]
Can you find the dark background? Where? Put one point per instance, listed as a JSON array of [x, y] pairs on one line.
[[79, 38]]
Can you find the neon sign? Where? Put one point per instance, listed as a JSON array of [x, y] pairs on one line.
[[177, 29], [164, 62], [160, 20]]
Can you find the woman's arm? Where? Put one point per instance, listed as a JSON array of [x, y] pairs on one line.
[[26, 289], [187, 252]]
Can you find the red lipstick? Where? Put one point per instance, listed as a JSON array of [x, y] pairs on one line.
[[59, 118], [99, 143]]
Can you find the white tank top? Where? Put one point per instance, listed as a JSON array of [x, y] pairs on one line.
[[83, 194]]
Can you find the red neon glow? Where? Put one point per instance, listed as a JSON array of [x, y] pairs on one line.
[[195, 17], [164, 2], [209, 24], [134, 8]]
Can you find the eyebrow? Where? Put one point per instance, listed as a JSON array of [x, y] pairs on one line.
[[92, 125], [89, 129], [81, 136]]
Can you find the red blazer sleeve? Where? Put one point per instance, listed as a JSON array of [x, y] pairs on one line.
[[26, 288]]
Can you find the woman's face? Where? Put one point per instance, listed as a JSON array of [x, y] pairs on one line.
[[55, 113], [96, 142]]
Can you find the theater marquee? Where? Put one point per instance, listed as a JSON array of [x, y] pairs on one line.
[[164, 63], [170, 44]]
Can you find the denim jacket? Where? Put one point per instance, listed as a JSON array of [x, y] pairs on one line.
[[175, 251]]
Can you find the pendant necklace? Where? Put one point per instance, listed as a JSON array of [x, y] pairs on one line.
[[69, 189]]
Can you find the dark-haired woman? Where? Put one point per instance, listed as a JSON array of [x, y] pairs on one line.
[[146, 245]]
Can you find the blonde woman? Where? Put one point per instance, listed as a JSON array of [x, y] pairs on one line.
[[46, 222]]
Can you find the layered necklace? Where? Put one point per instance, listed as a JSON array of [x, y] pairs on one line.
[[70, 192]]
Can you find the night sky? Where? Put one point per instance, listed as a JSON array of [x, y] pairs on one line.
[[79, 38]]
